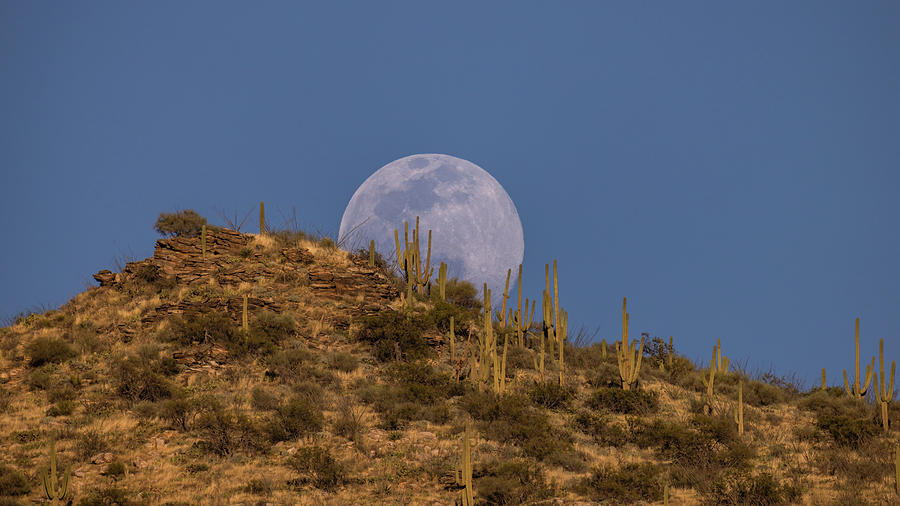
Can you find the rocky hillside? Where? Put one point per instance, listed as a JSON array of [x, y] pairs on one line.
[[335, 391]]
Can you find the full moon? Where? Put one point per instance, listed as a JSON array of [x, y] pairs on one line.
[[475, 227]]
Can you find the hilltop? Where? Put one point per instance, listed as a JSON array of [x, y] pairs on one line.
[[342, 388]]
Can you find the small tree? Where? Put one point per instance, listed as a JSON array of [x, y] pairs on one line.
[[187, 223]]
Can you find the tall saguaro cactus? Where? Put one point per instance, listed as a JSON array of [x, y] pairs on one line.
[[262, 218], [628, 357], [244, 324], [882, 394], [720, 358], [372, 253], [739, 409], [410, 258], [464, 473], [522, 321], [442, 281], [53, 489], [859, 391]]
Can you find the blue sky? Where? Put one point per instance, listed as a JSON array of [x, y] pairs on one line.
[[731, 169]]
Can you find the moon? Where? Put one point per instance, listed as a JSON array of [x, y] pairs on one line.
[[475, 226]]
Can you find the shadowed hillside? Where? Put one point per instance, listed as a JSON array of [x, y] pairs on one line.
[[277, 369]]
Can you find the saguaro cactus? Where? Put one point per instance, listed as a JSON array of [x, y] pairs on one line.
[[897, 470], [857, 390], [442, 281], [464, 473], [720, 358], [372, 253], [203, 241], [410, 260], [709, 382], [262, 218], [628, 357], [823, 379], [53, 489], [882, 394], [739, 409], [522, 321], [244, 324]]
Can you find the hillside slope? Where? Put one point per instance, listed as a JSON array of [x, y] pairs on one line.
[[339, 393]]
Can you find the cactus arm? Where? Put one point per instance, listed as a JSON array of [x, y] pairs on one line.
[[847, 385]]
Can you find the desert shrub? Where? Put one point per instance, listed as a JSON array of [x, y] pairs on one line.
[[656, 351], [590, 357], [138, 380], [343, 362], [597, 426], [61, 408], [317, 466], [297, 416], [462, 293], [605, 375], [90, 443], [737, 489], [349, 422], [180, 223], [10, 501], [258, 486], [292, 364], [417, 391], [516, 481], [223, 432], [512, 419], [5, 399], [267, 331], [107, 496], [200, 327], [423, 383], [846, 431], [114, 470], [48, 350], [12, 482], [390, 331], [327, 243], [177, 411], [616, 400], [263, 400], [42, 378], [551, 394], [629, 484], [518, 358], [757, 393], [438, 316], [833, 402], [61, 391]]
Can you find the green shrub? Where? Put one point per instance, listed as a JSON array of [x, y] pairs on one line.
[[48, 350], [42, 378], [616, 400], [12, 482], [462, 293], [550, 394], [267, 331], [258, 486], [604, 375], [349, 422], [390, 332], [223, 432], [317, 466], [516, 481], [833, 402], [846, 431], [629, 484], [180, 223], [200, 327], [292, 364]]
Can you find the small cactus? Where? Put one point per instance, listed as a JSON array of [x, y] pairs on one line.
[[823, 379], [203, 241], [628, 355], [372, 253], [709, 384], [53, 489]]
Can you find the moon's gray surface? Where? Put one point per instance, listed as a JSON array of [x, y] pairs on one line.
[[475, 227]]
